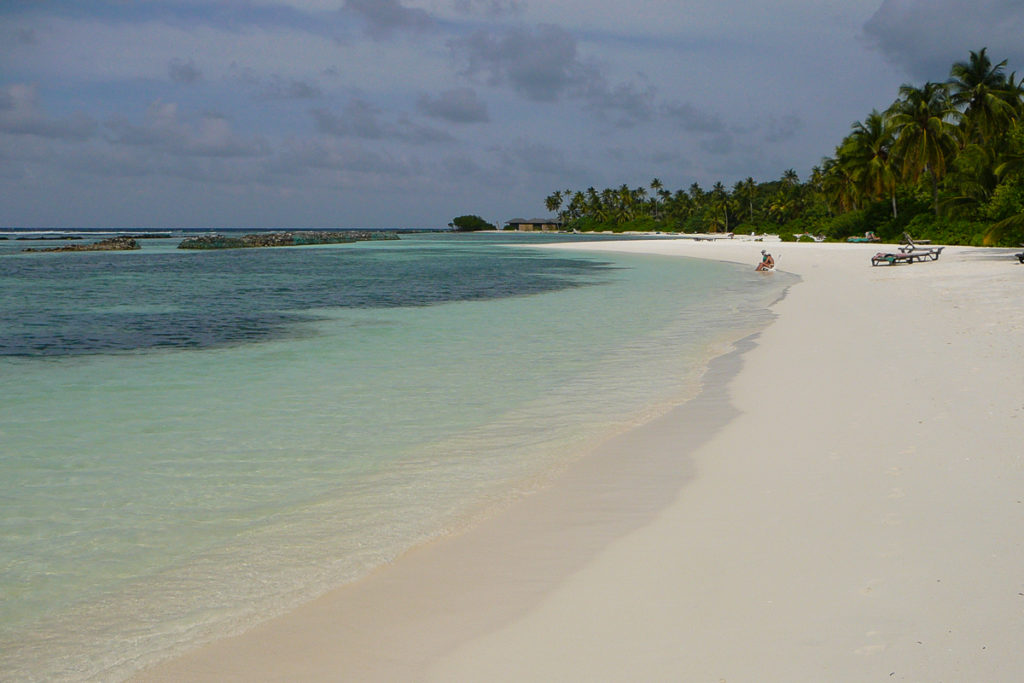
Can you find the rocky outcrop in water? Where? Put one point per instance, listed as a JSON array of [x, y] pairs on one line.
[[109, 244], [283, 239]]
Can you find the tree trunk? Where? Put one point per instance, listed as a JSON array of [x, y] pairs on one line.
[[935, 191]]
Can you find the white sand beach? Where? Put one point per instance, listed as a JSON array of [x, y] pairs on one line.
[[855, 513]]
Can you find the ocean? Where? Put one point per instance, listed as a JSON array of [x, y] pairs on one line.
[[191, 442]]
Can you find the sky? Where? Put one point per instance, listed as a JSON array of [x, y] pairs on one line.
[[408, 113]]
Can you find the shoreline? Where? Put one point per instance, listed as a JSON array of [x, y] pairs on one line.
[[789, 546]]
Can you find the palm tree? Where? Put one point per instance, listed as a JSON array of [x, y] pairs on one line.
[[837, 185], [979, 90], [973, 178], [867, 155], [553, 202], [746, 189], [657, 196], [720, 206], [925, 138]]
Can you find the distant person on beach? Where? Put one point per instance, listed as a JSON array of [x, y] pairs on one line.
[[767, 262]]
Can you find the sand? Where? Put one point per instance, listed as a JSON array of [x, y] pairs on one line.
[[853, 510]]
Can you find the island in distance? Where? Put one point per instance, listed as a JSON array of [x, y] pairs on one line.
[[284, 239], [109, 244], [216, 241]]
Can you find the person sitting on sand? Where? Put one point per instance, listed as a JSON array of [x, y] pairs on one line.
[[767, 262]]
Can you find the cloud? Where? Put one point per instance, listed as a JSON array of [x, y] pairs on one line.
[[925, 37], [358, 119], [782, 129], [460, 105], [209, 135], [539, 159], [541, 65], [277, 88], [183, 72], [691, 118], [719, 144], [363, 120], [490, 8], [20, 115], [628, 102], [384, 17], [303, 156]]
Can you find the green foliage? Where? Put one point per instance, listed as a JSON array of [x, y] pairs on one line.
[[944, 162], [470, 224], [755, 228], [591, 224], [1007, 200], [641, 224], [943, 230], [849, 224]]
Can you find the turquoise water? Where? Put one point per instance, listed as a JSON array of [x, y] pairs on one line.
[[190, 443]]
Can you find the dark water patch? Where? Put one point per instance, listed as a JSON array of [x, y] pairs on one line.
[[72, 304]]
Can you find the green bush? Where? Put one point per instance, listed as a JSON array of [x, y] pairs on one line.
[[943, 230], [590, 224], [849, 224], [470, 224]]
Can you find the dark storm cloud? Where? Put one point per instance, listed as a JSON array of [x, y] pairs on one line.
[[384, 17], [183, 71], [541, 65], [925, 37], [460, 105]]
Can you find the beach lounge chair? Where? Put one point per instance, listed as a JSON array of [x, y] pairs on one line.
[[917, 252], [868, 237], [906, 256], [909, 241], [891, 258]]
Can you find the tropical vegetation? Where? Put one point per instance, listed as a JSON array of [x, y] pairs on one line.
[[470, 223], [944, 162]]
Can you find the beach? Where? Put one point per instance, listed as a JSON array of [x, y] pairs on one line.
[[842, 502]]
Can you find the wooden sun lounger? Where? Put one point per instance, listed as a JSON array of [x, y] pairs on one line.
[[891, 258], [909, 241], [906, 256], [917, 252]]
